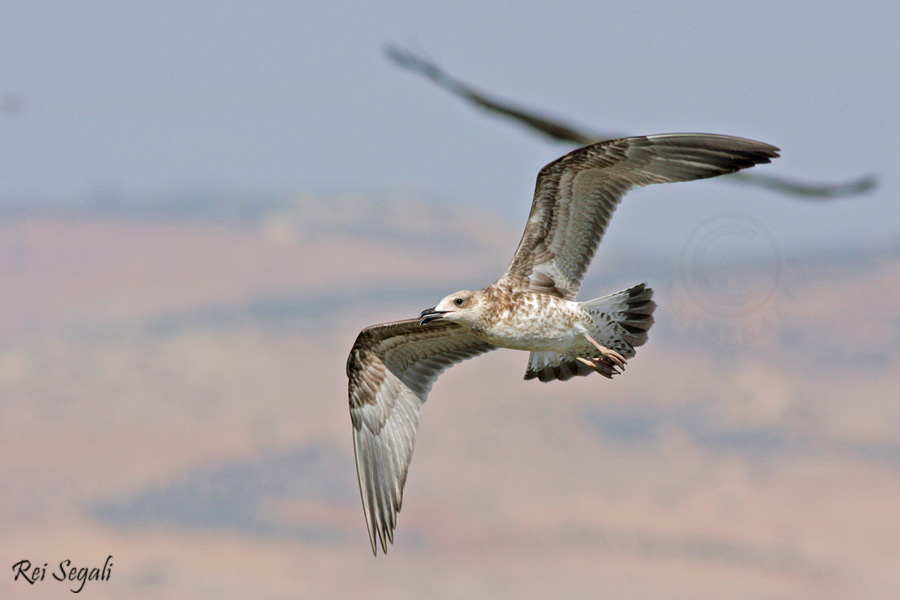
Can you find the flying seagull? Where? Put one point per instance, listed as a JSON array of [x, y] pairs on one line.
[[532, 307], [557, 130]]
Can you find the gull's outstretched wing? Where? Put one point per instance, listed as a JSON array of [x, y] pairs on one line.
[[564, 132], [391, 369], [576, 195]]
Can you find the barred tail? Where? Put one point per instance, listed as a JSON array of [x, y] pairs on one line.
[[622, 319]]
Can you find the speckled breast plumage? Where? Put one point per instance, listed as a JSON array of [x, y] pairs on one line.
[[535, 322]]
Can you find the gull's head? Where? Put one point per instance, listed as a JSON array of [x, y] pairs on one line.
[[460, 307]]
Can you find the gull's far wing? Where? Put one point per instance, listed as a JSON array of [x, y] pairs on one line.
[[576, 195]]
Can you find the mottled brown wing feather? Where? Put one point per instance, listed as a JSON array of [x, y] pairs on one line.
[[576, 195], [391, 369]]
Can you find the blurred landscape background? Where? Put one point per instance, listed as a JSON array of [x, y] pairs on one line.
[[202, 204]]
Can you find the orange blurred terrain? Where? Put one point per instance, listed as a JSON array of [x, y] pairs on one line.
[[173, 394]]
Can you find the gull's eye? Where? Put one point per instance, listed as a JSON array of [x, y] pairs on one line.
[[458, 302]]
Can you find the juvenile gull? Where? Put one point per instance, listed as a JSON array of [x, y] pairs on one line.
[[532, 307]]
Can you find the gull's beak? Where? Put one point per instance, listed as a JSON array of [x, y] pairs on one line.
[[429, 314]]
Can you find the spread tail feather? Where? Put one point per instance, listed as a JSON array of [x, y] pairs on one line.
[[621, 323]]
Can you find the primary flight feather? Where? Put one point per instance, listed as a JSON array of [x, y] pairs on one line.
[[532, 307]]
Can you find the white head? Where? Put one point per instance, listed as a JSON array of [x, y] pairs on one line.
[[460, 307]]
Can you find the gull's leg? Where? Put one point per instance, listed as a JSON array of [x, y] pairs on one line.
[[611, 356], [600, 365]]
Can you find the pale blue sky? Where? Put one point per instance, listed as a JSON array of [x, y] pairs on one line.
[[153, 98]]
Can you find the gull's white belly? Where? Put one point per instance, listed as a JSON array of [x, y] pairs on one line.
[[539, 323]]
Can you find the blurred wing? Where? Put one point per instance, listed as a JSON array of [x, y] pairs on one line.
[[576, 195], [549, 126], [391, 369], [811, 191], [559, 131]]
